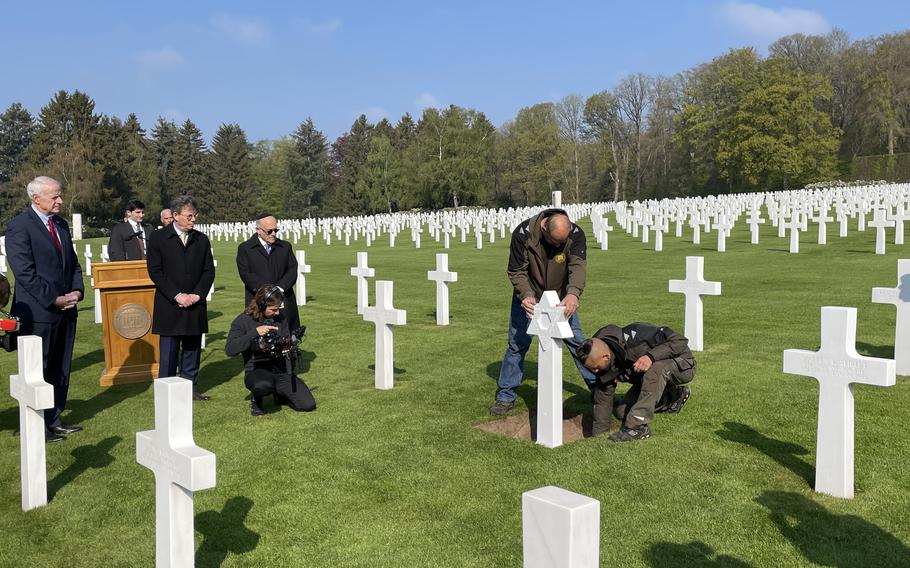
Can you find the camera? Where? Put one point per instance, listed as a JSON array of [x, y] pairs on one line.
[[275, 346]]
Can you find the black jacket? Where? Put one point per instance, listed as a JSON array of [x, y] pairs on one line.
[[125, 244], [637, 339], [176, 269], [243, 339], [279, 268]]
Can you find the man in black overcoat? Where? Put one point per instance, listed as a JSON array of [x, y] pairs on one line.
[[181, 266], [266, 260], [48, 286], [129, 239]]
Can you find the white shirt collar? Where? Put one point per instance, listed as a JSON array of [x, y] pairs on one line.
[[44, 218], [264, 244]]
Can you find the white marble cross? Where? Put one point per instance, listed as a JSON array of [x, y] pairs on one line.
[[557, 199], [837, 367], [208, 297], [384, 315], [754, 220], [362, 272], [302, 270], [88, 259], [880, 223], [96, 294], [723, 227], [694, 287], [105, 255], [442, 276], [34, 395], [822, 219], [3, 267], [794, 224], [560, 529], [180, 466], [550, 325], [899, 216], [900, 298]]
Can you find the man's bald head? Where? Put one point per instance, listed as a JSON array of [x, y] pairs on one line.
[[556, 228]]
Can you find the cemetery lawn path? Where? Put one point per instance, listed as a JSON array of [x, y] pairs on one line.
[[401, 478]]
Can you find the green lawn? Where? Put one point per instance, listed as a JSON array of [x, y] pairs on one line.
[[402, 477]]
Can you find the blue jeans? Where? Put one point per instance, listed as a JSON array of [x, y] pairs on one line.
[[519, 341]]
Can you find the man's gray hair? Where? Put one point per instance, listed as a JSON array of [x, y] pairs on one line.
[[39, 184], [181, 201]]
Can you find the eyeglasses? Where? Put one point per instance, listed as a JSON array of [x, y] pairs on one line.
[[269, 231]]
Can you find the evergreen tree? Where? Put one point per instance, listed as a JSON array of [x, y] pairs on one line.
[[16, 129], [190, 172], [308, 171], [348, 158], [271, 174], [164, 146], [231, 197]]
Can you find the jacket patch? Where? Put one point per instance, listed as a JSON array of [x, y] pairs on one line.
[[560, 258]]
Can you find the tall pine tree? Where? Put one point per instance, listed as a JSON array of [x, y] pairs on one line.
[[16, 129], [308, 171], [190, 172], [231, 197]]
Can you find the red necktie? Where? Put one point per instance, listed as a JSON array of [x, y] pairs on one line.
[[50, 227]]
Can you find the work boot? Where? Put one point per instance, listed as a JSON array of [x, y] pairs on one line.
[[631, 434], [675, 407], [256, 406], [501, 407]]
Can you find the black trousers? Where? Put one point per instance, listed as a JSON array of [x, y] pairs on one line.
[[57, 341], [288, 388]]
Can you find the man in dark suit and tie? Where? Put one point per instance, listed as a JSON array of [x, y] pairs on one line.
[[181, 266], [130, 238], [266, 260], [48, 286]]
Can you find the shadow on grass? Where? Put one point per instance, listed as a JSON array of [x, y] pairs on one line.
[[881, 351], [78, 411], [782, 452], [87, 360], [304, 361], [224, 532], [89, 456], [395, 370], [830, 539], [695, 554], [214, 374]]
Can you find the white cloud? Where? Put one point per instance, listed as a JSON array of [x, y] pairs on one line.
[[770, 23], [243, 30], [322, 29], [164, 58], [426, 100]]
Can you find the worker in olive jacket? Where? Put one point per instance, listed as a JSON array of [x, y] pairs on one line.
[[547, 253], [655, 360]]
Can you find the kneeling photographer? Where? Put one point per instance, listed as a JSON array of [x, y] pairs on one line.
[[269, 350]]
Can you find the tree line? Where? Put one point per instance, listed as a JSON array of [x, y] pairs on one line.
[[741, 122]]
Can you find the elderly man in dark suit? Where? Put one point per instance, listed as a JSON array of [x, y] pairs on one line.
[[181, 266], [48, 286], [266, 260], [129, 239]]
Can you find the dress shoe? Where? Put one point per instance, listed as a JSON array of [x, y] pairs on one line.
[[51, 437], [200, 396], [63, 429]]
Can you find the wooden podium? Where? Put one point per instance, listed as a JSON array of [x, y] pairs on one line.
[[127, 300]]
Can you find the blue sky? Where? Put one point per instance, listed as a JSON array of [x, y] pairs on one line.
[[269, 65]]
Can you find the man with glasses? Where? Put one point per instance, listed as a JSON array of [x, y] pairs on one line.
[[266, 260], [181, 266]]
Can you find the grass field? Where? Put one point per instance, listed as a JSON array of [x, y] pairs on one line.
[[402, 477]]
